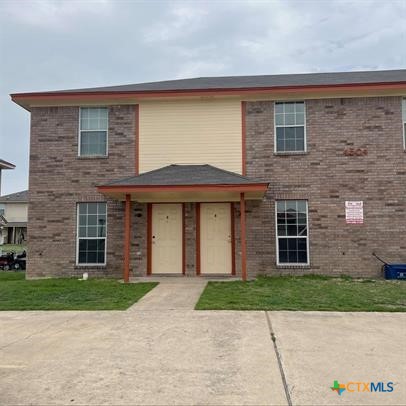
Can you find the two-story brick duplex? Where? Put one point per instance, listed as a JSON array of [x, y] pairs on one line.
[[151, 178]]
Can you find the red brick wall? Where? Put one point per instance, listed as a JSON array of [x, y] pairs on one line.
[[327, 178], [59, 179], [190, 239], [324, 176]]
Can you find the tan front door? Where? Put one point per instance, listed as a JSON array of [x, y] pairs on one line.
[[167, 238], [215, 238]]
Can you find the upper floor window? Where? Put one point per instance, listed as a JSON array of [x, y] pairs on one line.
[[290, 127], [404, 122], [93, 131]]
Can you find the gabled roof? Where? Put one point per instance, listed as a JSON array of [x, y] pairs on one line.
[[252, 82], [183, 175], [6, 165], [185, 183], [18, 197]]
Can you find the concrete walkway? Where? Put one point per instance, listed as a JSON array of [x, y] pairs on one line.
[[172, 293]]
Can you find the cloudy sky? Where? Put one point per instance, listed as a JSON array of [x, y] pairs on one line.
[[49, 45]]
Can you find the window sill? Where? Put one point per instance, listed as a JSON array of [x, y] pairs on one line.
[[93, 157], [287, 153], [90, 266], [298, 266]]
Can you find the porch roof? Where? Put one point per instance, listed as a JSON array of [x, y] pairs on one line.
[[184, 183], [10, 224], [6, 165]]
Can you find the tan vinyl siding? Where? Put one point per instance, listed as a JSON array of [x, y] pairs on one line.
[[190, 132], [16, 212]]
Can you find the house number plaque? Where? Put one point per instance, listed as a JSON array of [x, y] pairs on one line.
[[355, 151]]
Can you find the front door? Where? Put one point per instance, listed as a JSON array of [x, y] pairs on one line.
[[166, 238], [215, 238]]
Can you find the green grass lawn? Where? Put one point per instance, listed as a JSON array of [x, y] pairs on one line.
[[12, 248], [16, 293], [305, 293]]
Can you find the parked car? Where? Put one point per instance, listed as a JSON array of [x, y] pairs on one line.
[[20, 261], [6, 261], [10, 261]]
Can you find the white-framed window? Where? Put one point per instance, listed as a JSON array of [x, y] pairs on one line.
[[91, 233], [404, 122], [93, 131], [292, 232], [290, 126]]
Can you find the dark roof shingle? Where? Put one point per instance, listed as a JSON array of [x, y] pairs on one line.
[[15, 197], [176, 175], [259, 81]]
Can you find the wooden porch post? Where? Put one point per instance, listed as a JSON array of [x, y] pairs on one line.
[[232, 239], [198, 239], [149, 239], [127, 237], [243, 239]]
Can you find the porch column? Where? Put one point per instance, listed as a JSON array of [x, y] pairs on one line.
[[243, 238], [127, 237]]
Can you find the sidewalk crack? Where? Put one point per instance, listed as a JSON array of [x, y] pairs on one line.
[[278, 357]]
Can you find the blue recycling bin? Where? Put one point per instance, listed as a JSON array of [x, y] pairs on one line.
[[395, 271]]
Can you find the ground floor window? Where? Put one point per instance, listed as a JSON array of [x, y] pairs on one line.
[[91, 233], [292, 240]]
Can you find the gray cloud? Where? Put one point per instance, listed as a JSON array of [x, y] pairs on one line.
[[48, 44]]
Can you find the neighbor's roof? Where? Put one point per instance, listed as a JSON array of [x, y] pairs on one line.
[[19, 197], [247, 82], [6, 165], [179, 175], [16, 224]]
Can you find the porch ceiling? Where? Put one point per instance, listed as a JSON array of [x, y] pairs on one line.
[[185, 183]]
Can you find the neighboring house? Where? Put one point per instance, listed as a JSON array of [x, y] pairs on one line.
[[5, 165], [13, 226], [229, 175], [3, 232]]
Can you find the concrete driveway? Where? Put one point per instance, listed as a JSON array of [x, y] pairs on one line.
[[150, 354], [319, 347]]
